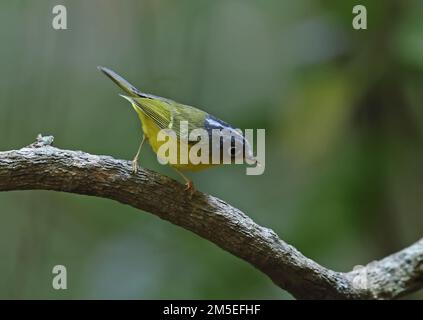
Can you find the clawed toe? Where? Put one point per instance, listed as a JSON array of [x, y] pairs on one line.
[[189, 187], [134, 166]]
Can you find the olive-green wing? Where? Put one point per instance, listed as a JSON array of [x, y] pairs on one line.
[[168, 114], [157, 110], [195, 118]]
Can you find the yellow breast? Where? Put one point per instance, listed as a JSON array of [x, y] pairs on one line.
[[151, 131]]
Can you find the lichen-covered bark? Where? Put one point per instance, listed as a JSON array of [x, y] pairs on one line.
[[41, 166]]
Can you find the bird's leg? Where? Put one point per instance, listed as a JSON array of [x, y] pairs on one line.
[[135, 161], [189, 186]]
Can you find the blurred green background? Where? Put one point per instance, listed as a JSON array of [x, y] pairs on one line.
[[342, 109]]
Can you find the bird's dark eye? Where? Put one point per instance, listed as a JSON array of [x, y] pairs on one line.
[[233, 151]]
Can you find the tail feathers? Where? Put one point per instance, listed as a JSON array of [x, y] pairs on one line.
[[122, 83], [129, 88]]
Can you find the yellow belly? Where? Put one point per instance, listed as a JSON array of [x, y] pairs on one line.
[[151, 131]]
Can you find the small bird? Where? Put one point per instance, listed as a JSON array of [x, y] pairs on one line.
[[157, 113]]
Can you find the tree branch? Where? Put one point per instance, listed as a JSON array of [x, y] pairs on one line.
[[41, 166]]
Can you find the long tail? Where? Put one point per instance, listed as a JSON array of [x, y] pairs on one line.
[[122, 83]]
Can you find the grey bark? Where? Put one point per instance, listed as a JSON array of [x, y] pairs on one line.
[[42, 166]]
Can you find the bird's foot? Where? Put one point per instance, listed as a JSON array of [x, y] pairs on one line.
[[189, 187], [135, 166]]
